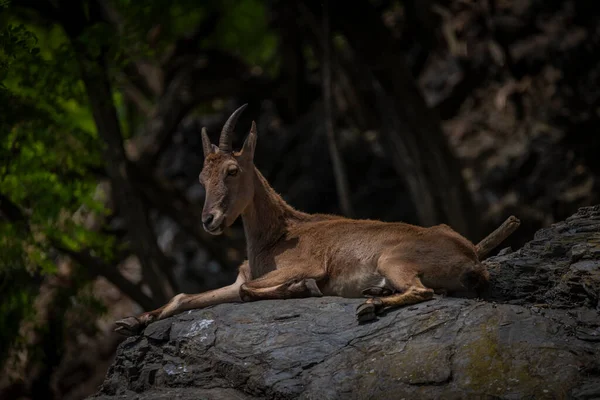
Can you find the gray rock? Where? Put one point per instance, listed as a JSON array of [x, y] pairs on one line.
[[536, 337], [559, 268]]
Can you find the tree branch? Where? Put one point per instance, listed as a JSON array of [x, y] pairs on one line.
[[95, 266], [493, 240], [136, 96]]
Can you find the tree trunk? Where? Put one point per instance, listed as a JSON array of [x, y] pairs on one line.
[[418, 148], [155, 265], [339, 171]]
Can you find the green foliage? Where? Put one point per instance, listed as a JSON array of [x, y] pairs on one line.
[[48, 145], [48, 139], [139, 17], [244, 31], [43, 74], [13, 41]]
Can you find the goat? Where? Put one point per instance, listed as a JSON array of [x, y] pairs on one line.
[[293, 254]]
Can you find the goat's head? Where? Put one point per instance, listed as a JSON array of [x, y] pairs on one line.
[[227, 176]]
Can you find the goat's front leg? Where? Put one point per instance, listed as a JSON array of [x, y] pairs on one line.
[[229, 294], [285, 283]]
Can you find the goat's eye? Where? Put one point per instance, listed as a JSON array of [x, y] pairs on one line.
[[232, 171]]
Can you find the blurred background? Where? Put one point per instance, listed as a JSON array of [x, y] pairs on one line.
[[423, 111]]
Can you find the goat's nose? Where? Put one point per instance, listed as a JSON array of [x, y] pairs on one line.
[[208, 219]]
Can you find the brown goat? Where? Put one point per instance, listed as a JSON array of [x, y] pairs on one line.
[[294, 254]]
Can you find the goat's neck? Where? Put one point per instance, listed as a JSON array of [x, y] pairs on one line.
[[267, 217]]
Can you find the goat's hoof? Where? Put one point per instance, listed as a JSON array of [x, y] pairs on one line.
[[130, 326], [368, 310], [313, 288], [377, 291]]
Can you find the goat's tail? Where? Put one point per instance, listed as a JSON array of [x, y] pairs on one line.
[[493, 240]]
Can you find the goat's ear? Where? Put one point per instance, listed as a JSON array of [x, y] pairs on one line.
[[250, 144], [206, 145]]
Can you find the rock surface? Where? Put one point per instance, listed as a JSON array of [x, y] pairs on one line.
[[538, 336]]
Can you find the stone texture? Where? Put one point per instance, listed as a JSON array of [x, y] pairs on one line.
[[559, 268], [536, 337]]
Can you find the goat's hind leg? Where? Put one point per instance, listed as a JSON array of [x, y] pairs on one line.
[[404, 278]]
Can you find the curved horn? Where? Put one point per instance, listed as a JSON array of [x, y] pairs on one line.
[[225, 139], [206, 145]]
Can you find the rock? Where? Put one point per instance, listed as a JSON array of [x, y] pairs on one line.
[[560, 267], [536, 337]]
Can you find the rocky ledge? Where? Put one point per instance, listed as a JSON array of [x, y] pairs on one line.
[[536, 336]]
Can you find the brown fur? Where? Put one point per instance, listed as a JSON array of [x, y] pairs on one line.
[[295, 254]]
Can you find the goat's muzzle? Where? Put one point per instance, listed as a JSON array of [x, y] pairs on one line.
[[213, 222]]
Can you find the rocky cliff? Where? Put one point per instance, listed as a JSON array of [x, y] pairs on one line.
[[536, 336]]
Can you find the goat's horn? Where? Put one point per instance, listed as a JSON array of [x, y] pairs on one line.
[[225, 139], [206, 145]]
